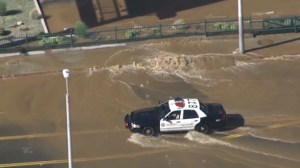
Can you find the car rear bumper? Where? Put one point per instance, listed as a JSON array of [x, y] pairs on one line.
[[128, 125]]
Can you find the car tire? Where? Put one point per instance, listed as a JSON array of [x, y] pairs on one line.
[[149, 131], [203, 128]]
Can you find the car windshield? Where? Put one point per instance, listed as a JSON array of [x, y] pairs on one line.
[[164, 109]]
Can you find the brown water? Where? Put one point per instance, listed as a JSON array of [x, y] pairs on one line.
[[263, 86]]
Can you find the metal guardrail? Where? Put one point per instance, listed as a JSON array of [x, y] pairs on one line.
[[137, 33]]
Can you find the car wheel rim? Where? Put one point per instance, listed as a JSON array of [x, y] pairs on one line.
[[202, 128], [148, 131]]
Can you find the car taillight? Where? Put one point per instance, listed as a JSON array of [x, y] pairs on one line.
[[126, 125], [127, 120]]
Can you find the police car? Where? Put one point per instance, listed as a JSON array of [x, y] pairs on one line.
[[177, 115]]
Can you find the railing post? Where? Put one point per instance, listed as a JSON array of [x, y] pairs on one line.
[[251, 27], [294, 23], [205, 28], [116, 34], [72, 42], [160, 30], [26, 43], [250, 24]]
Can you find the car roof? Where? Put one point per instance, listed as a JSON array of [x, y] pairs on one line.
[[186, 103]]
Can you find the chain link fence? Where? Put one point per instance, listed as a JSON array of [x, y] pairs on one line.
[[137, 33]]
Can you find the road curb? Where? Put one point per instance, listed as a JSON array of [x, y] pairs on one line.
[[43, 52]]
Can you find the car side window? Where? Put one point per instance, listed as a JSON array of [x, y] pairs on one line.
[[175, 115], [187, 114]]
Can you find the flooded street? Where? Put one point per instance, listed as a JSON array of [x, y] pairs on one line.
[[106, 84], [261, 86]]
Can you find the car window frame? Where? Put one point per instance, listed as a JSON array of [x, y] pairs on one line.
[[168, 115]]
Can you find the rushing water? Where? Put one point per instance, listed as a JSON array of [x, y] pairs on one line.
[[108, 83], [262, 87]]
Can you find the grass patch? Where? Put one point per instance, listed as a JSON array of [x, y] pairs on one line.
[[20, 11]]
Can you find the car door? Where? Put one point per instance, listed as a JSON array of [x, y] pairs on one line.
[[171, 122], [189, 120]]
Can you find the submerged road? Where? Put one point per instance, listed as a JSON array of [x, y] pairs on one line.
[[20, 138], [107, 157]]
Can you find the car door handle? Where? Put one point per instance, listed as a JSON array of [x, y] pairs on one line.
[[196, 120], [178, 122]]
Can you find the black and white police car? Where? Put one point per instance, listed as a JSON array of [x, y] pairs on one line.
[[177, 115]]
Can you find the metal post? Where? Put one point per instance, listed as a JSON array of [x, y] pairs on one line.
[[205, 28], [66, 74], [26, 42], [116, 34], [160, 29], [241, 27], [72, 42]]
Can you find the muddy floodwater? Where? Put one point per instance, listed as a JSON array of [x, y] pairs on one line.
[[260, 91], [106, 84]]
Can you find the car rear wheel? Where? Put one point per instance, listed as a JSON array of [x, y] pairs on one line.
[[149, 131], [203, 128]]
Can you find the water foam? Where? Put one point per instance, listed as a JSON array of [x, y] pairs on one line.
[[189, 67], [199, 68], [256, 135], [169, 61], [154, 142], [283, 57], [245, 64], [207, 140], [159, 142], [168, 141]]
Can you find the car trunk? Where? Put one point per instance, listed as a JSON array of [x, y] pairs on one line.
[[216, 114], [145, 117]]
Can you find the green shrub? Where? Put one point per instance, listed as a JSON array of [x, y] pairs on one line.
[[57, 40], [23, 28], [155, 30], [225, 26], [129, 34], [2, 8], [34, 14], [180, 24], [2, 31], [80, 29]]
